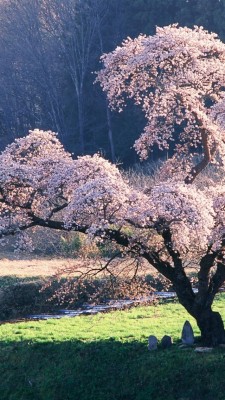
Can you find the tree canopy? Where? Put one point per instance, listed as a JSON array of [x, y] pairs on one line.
[[177, 76]]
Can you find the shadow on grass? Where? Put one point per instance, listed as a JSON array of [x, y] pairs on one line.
[[108, 370]]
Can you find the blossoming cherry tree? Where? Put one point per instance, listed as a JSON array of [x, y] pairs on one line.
[[177, 76]]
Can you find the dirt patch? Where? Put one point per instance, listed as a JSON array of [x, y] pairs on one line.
[[33, 267], [46, 267]]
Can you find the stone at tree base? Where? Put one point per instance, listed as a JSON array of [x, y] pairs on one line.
[[152, 343], [166, 342], [203, 349], [187, 335]]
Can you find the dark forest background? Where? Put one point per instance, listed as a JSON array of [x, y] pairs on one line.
[[49, 50]]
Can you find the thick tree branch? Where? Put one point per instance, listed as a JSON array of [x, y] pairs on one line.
[[217, 280], [181, 283], [208, 153], [203, 297]]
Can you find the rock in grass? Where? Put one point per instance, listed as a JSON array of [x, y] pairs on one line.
[[203, 349], [187, 335], [166, 342], [152, 343]]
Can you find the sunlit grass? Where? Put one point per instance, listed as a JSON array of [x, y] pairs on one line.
[[105, 357], [137, 323]]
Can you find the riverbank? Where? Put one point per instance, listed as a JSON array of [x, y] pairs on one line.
[[22, 281]]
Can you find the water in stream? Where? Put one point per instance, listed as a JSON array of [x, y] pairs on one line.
[[111, 305]]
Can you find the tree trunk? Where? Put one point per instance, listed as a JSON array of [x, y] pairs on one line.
[[211, 326], [209, 322], [110, 134], [81, 122]]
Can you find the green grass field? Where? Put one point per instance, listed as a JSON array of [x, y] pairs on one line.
[[105, 357]]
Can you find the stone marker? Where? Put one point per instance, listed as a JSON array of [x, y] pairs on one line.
[[203, 349], [152, 343], [187, 335], [166, 342]]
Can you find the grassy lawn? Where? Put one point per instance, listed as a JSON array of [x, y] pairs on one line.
[[105, 357]]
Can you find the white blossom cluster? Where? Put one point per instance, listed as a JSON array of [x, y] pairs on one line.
[[91, 192], [187, 211], [177, 76]]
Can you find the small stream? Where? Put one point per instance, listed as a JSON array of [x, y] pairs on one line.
[[108, 306]]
